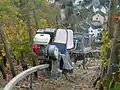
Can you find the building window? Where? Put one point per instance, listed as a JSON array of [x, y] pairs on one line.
[[96, 18], [99, 29]]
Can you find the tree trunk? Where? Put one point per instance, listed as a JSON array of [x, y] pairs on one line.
[[35, 18], [23, 63], [113, 35], [30, 29], [34, 64], [29, 23], [113, 54], [111, 12], [7, 52]]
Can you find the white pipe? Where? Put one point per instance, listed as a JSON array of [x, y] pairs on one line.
[[23, 74]]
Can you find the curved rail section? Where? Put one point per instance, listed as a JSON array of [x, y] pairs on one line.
[[23, 74]]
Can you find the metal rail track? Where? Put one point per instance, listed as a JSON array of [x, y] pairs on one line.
[[23, 74]]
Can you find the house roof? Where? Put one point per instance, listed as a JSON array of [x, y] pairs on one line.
[[96, 3], [101, 13], [85, 26], [107, 2], [95, 24], [100, 6], [102, 2], [81, 29], [87, 4]]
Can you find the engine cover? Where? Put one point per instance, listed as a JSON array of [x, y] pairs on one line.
[[41, 39]]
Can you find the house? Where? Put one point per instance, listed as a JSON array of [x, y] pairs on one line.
[[107, 3], [51, 1], [100, 16], [62, 14], [95, 3], [102, 2], [92, 3], [84, 27], [100, 8], [95, 28], [78, 2], [82, 3]]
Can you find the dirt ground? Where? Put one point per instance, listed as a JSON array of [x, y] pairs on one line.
[[81, 79], [2, 82]]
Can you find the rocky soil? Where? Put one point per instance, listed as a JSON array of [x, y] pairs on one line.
[[81, 79]]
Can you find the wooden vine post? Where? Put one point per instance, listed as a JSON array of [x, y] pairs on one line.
[[112, 6], [113, 54], [113, 58], [113, 33], [7, 52], [30, 30]]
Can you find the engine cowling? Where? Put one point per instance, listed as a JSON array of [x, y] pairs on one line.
[[40, 50], [42, 39], [50, 50], [36, 49]]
